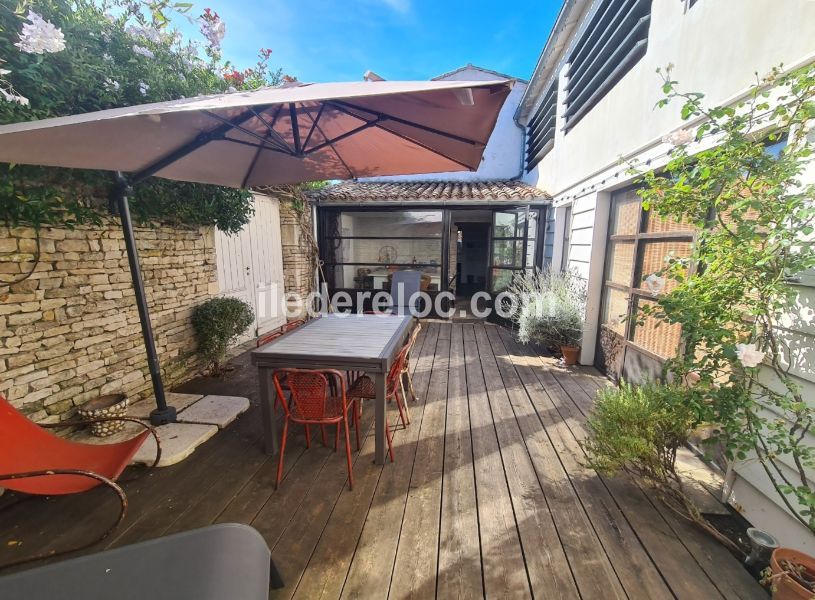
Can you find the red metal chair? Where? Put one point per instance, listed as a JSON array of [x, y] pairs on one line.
[[268, 337], [35, 461], [364, 389], [276, 333], [406, 366], [315, 398]]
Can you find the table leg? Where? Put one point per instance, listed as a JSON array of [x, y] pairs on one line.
[[267, 395], [380, 420]]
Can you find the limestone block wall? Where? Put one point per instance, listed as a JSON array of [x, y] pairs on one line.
[[297, 267], [71, 331]]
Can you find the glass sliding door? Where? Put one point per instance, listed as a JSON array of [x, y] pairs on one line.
[[639, 245], [513, 245]]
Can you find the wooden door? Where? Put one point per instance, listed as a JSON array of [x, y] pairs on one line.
[[250, 266]]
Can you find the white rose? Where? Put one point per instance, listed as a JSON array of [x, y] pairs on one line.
[[749, 355]]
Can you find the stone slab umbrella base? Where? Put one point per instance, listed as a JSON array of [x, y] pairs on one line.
[[199, 418]]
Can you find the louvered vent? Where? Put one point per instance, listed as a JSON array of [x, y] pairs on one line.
[[541, 129], [615, 38]]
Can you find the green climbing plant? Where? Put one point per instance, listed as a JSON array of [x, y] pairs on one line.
[[737, 297]]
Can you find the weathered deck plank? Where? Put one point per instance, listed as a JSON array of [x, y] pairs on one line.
[[459, 572], [488, 496]]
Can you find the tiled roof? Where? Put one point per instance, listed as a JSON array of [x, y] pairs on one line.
[[350, 192]]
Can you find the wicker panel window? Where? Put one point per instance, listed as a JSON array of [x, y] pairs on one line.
[[640, 245]]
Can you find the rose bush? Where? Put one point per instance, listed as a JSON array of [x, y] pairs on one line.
[[751, 202]]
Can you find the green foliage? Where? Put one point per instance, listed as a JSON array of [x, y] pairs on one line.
[[755, 216], [117, 53], [217, 323], [549, 308], [638, 429]]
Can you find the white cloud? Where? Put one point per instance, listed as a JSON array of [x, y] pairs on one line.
[[401, 6]]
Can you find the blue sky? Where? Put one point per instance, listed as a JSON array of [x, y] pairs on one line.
[[325, 40]]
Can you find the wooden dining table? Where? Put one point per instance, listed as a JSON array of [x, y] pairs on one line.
[[346, 342]]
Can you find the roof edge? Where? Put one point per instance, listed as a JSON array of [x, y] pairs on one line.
[[565, 26], [477, 68]]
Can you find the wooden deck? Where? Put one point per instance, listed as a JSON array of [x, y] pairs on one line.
[[487, 496]]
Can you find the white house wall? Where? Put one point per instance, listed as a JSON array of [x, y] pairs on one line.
[[716, 47]]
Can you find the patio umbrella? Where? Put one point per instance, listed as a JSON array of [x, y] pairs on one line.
[[284, 135]]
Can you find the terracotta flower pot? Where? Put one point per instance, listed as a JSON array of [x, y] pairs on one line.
[[786, 586], [112, 405], [571, 354]]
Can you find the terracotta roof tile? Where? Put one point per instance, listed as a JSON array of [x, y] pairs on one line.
[[354, 192]]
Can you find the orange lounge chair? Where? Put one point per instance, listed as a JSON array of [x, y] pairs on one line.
[[36, 461]]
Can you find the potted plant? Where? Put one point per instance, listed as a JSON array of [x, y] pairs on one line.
[[793, 575], [217, 323], [548, 310]]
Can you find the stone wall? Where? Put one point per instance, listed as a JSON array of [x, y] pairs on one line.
[[71, 330], [298, 271]]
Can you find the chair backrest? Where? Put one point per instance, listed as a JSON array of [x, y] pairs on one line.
[[310, 392], [292, 325], [396, 370], [405, 286]]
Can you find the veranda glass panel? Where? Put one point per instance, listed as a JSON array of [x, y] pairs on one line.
[[387, 251], [405, 223], [501, 278], [506, 225], [378, 277], [507, 253]]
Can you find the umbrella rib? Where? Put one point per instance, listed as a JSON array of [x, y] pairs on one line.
[[314, 121], [333, 149], [270, 128], [385, 116], [260, 146], [248, 132], [251, 167], [202, 139], [342, 136], [295, 129], [271, 131]]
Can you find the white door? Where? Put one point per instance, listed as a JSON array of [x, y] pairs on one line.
[[250, 266]]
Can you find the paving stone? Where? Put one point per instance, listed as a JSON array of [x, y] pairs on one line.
[[178, 441], [215, 410], [142, 408]]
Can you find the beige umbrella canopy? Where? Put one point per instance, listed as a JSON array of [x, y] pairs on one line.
[[291, 134], [304, 132]]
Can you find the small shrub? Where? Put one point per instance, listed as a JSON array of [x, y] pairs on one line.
[[638, 429], [218, 322], [549, 309]]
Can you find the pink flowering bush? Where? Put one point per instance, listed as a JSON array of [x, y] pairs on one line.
[[62, 57]]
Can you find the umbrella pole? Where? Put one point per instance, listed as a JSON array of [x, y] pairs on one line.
[[162, 414]]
